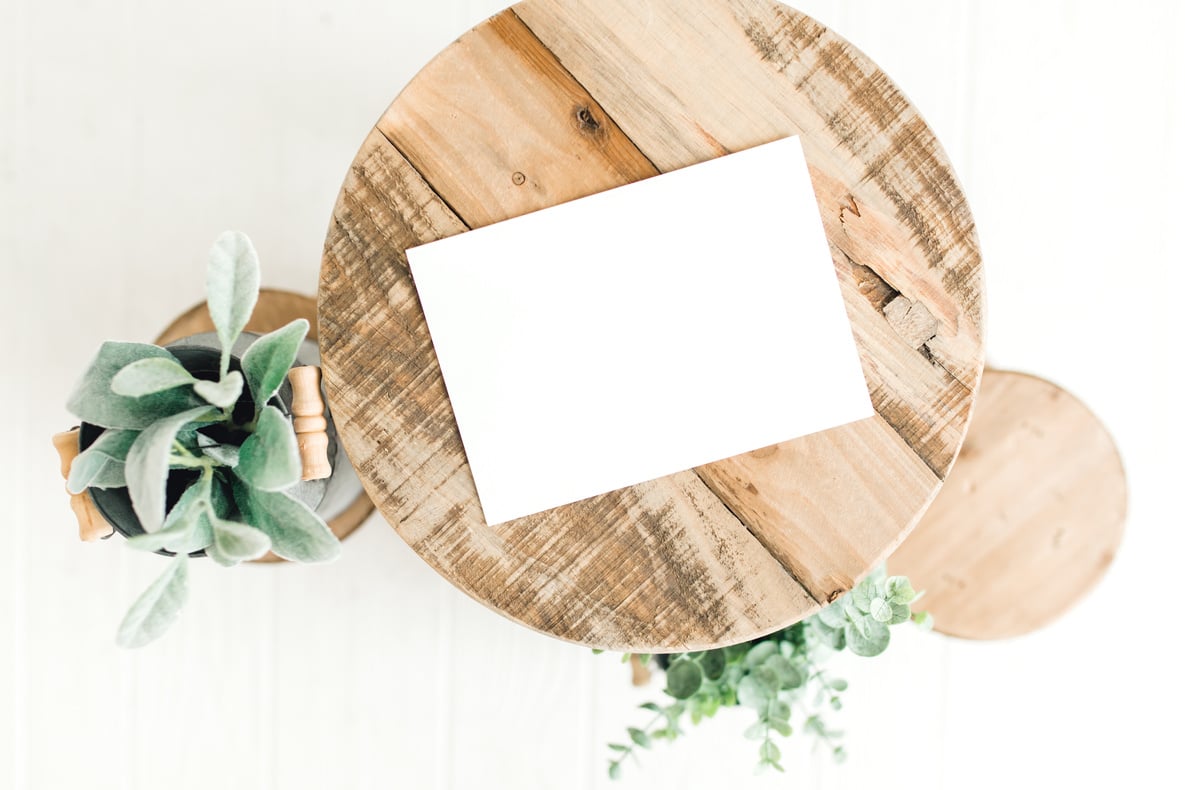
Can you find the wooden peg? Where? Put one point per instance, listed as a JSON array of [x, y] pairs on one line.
[[91, 524], [641, 672], [308, 420]]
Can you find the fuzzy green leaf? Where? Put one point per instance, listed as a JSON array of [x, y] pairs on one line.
[[900, 614], [235, 542], [770, 753], [147, 466], [867, 637], [269, 358], [157, 607], [187, 527], [297, 533], [232, 287], [101, 464], [924, 620], [269, 460], [684, 678], [93, 401], [225, 454], [614, 770], [149, 376], [224, 393]]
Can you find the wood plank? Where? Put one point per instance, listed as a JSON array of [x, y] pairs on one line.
[[670, 76], [499, 105], [662, 565], [1030, 519], [797, 523]]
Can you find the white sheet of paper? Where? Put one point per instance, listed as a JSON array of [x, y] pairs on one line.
[[641, 331]]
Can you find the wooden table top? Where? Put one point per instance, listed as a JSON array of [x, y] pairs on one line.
[[1030, 519], [553, 100]]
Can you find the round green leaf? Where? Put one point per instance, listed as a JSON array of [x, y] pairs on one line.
[[684, 678], [713, 664]]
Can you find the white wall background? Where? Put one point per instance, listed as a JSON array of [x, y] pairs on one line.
[[132, 132]]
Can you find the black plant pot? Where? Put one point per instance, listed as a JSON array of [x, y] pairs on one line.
[[200, 355]]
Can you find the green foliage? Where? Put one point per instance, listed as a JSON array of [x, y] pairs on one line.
[[232, 288], [777, 675], [161, 420], [267, 362], [269, 460], [157, 607]]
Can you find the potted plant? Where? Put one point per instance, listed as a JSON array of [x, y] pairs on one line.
[[190, 450], [779, 676]]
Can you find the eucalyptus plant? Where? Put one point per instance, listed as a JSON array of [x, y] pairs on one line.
[[778, 676], [161, 420]]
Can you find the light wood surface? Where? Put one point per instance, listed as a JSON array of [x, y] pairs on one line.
[[550, 101], [309, 423], [1030, 517], [274, 309]]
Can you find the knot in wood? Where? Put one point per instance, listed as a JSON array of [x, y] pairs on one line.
[[519, 179], [587, 121]]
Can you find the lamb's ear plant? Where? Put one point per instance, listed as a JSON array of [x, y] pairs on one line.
[[160, 419], [779, 677]]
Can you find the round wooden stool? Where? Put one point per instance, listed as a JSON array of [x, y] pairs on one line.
[[1028, 521], [273, 310], [553, 100]]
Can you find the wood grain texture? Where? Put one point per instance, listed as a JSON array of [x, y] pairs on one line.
[[1030, 517], [695, 574], [551, 101], [274, 309]]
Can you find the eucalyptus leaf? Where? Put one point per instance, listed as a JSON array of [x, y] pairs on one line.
[[296, 532], [713, 664], [147, 466], [93, 401], [157, 607], [788, 676], [752, 694], [782, 726], [269, 460], [149, 376], [880, 609], [639, 737], [900, 590], [269, 358], [684, 678], [223, 393], [101, 464], [756, 731], [868, 639], [833, 615], [900, 614], [760, 652], [232, 288]]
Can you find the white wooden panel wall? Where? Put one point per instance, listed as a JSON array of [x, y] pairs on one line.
[[132, 132]]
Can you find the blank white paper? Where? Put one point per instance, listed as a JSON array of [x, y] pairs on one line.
[[641, 331]]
